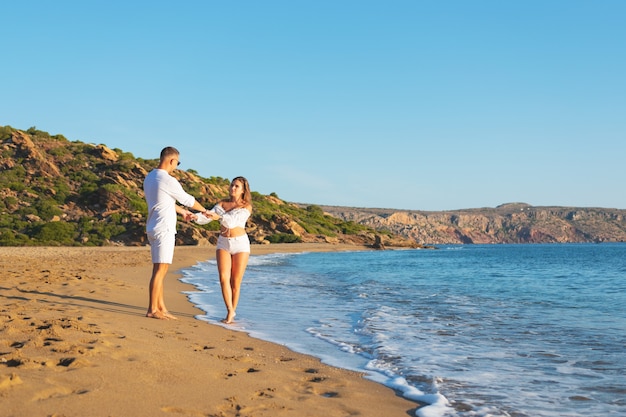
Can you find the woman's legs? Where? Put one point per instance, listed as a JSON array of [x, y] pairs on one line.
[[224, 263], [231, 269], [239, 264]]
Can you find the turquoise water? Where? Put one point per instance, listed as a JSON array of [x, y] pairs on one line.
[[473, 330]]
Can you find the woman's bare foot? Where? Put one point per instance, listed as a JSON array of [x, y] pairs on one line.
[[230, 317]]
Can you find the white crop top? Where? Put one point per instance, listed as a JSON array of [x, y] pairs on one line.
[[236, 217]]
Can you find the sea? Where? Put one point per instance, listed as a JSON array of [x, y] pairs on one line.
[[523, 330]]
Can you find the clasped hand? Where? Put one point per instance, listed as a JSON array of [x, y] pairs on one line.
[[189, 216]]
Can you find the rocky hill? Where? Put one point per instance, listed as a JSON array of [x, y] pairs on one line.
[[507, 223], [57, 192]]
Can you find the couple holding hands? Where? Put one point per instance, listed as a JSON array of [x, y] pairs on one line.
[[162, 191]]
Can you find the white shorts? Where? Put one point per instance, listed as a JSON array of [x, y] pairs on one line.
[[234, 245], [162, 247]]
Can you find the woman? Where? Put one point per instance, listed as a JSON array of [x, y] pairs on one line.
[[233, 244]]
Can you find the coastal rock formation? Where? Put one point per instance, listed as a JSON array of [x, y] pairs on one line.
[[507, 223]]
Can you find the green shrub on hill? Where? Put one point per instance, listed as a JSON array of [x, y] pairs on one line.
[[9, 237], [53, 233], [94, 232], [284, 238], [46, 208]]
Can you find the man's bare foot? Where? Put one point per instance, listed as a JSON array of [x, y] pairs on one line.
[[157, 315], [229, 318], [169, 315]]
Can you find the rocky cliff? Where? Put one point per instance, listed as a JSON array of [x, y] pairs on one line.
[[507, 223]]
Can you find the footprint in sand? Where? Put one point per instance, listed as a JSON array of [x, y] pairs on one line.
[[7, 381], [55, 392], [183, 411], [66, 361], [266, 393], [50, 340], [317, 379]]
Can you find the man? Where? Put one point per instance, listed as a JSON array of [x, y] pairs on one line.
[[162, 192]]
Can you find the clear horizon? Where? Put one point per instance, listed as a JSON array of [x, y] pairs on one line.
[[411, 105]]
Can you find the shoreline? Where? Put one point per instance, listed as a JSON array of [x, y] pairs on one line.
[[75, 341]]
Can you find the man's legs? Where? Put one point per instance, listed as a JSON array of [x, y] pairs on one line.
[[162, 253], [156, 306]]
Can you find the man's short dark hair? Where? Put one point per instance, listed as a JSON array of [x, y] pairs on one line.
[[168, 152]]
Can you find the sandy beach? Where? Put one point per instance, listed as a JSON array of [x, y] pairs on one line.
[[74, 341]]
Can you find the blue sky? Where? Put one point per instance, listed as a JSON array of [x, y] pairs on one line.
[[422, 105]]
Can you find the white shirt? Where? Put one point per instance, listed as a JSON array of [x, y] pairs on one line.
[[162, 191]]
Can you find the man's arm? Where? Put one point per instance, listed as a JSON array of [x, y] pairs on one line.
[[184, 212], [198, 207]]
